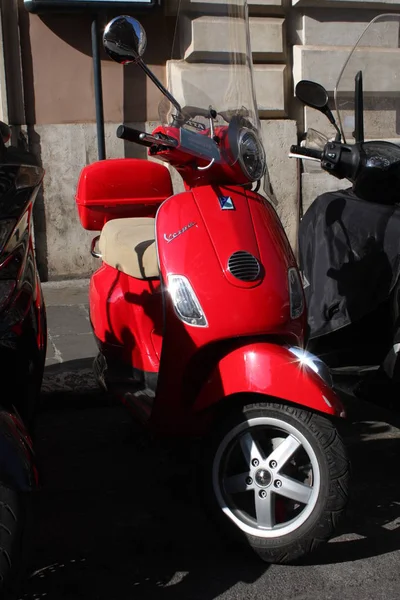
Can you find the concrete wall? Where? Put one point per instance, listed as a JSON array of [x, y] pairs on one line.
[[49, 92]]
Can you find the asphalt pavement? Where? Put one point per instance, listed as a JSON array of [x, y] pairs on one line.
[[118, 516]]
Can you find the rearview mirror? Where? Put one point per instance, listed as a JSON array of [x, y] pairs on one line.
[[312, 94], [124, 40], [315, 95]]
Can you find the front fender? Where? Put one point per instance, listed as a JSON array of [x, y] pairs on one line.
[[17, 468], [270, 370]]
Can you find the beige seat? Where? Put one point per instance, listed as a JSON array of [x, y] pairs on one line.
[[129, 246]]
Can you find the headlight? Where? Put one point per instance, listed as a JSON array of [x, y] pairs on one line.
[[295, 294], [186, 304], [251, 155]]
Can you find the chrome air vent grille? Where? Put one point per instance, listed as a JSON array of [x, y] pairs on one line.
[[244, 266]]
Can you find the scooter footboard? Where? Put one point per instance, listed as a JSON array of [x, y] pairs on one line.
[[274, 371]]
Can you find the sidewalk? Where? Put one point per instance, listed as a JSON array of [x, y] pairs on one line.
[[71, 347]]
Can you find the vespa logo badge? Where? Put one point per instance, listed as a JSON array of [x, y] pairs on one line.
[[226, 203], [172, 236]]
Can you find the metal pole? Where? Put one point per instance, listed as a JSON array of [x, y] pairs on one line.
[[98, 91]]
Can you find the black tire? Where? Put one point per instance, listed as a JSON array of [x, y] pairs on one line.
[[329, 497], [14, 535]]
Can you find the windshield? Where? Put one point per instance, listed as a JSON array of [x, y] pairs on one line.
[[377, 56], [211, 68]]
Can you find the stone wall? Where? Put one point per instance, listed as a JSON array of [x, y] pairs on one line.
[[50, 90], [323, 34]]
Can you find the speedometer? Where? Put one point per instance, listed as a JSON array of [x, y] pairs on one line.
[[251, 154]]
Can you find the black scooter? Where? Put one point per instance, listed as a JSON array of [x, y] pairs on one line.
[[349, 247]]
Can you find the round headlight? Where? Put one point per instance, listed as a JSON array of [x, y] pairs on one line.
[[251, 154]]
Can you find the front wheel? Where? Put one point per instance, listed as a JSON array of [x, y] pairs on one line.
[[278, 476]]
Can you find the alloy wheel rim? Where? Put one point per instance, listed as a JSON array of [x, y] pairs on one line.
[[266, 477]]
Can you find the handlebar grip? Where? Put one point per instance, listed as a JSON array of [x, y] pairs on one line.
[[131, 135], [310, 152]]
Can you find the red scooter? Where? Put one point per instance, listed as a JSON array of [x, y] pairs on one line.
[[198, 307]]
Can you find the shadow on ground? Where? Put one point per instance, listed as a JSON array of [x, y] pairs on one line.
[[118, 517]]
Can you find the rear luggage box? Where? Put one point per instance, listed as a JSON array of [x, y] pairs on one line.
[[120, 188]]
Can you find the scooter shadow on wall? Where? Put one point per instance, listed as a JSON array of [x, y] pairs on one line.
[[138, 98]]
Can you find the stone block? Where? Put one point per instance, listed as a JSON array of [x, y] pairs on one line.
[[270, 83], [209, 7], [340, 28], [65, 150], [381, 84], [321, 64], [194, 84], [207, 38], [378, 124], [265, 2], [267, 38], [278, 136], [316, 120]]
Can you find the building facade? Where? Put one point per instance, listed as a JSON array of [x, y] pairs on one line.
[[47, 93]]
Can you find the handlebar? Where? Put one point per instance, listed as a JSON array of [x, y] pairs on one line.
[[131, 135], [340, 160], [145, 139], [310, 152]]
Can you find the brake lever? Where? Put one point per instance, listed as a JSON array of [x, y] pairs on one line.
[[158, 141]]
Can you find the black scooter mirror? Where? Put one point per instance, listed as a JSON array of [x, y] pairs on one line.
[[125, 40], [314, 95]]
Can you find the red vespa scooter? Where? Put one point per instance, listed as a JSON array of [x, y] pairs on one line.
[[199, 314]]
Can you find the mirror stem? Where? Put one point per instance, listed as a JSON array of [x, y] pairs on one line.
[[160, 86], [332, 120], [338, 137]]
